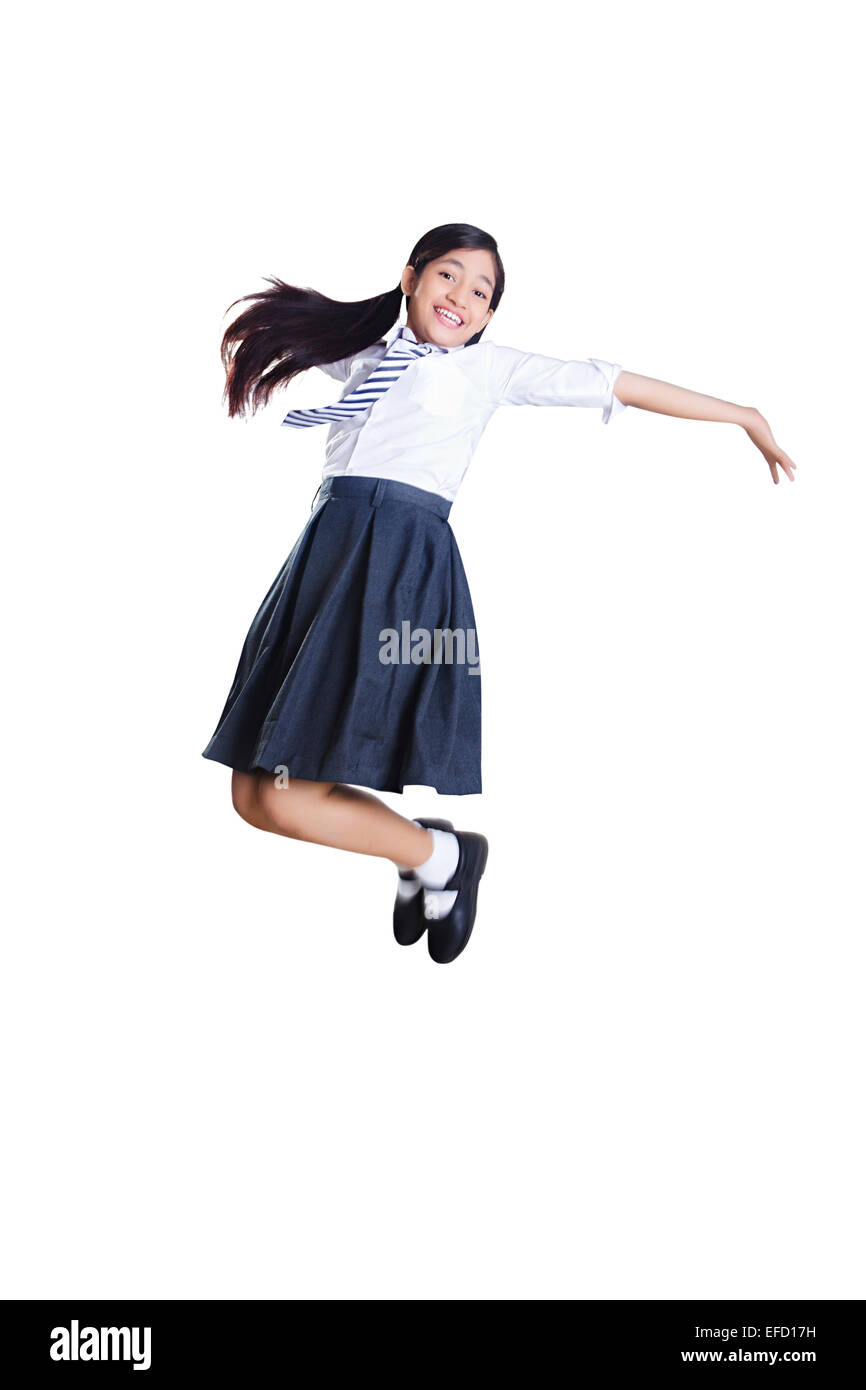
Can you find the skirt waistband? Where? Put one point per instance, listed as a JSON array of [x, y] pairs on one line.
[[378, 490]]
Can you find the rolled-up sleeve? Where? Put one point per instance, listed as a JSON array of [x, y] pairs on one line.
[[528, 378]]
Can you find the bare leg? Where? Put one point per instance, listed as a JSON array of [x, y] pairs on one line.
[[330, 813]]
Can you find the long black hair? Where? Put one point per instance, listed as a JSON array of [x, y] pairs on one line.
[[286, 329]]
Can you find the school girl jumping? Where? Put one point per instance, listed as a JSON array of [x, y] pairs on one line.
[[361, 667]]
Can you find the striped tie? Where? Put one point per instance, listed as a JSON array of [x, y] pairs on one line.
[[392, 366]]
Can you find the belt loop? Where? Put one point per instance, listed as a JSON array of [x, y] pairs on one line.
[[379, 492]]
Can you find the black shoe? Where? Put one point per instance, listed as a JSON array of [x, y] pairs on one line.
[[447, 937], [409, 920]]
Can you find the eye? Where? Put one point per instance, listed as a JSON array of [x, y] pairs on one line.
[[448, 272]]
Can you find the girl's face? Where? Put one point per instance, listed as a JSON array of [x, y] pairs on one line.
[[450, 299]]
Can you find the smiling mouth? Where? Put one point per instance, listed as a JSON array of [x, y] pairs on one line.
[[448, 317]]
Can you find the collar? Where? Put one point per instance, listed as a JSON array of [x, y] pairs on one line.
[[402, 330]]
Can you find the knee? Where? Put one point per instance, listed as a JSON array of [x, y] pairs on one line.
[[279, 805], [245, 796], [295, 808]]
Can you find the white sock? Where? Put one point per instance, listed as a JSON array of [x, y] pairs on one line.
[[438, 905], [408, 887], [433, 874]]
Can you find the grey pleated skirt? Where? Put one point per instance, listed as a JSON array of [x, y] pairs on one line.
[[362, 663]]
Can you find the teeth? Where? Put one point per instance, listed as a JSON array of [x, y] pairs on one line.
[[446, 314]]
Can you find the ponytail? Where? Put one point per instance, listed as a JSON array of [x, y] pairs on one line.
[[286, 330]]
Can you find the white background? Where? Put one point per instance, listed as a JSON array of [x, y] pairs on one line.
[[642, 1079]]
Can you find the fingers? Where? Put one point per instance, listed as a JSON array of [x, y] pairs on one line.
[[788, 464], [776, 457], [785, 462]]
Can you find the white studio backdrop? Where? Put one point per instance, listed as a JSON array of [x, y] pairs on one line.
[[639, 1079]]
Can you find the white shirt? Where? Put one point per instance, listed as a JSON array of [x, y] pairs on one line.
[[426, 427]]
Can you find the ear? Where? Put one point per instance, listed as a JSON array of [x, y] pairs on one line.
[[407, 280]]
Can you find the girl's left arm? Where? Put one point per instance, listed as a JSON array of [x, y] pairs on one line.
[[664, 398]]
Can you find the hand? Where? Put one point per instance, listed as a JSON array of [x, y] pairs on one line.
[[762, 437]]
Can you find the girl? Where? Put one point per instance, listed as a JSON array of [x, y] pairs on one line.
[[361, 665]]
